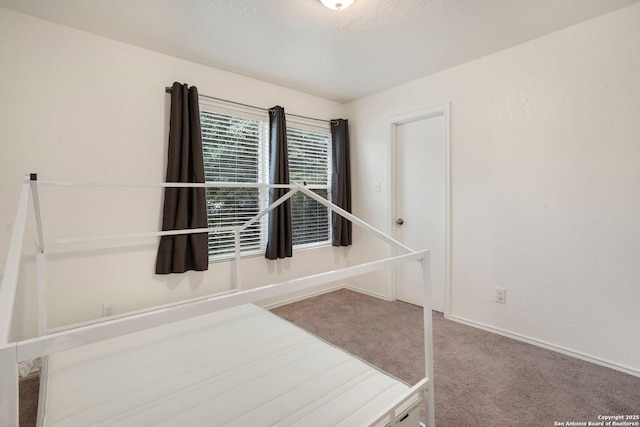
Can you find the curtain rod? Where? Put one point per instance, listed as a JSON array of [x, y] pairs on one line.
[[333, 122]]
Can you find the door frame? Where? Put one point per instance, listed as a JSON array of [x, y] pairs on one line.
[[392, 124]]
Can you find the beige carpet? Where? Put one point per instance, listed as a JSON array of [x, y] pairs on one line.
[[481, 379]]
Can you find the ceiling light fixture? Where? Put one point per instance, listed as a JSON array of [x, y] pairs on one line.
[[337, 4]]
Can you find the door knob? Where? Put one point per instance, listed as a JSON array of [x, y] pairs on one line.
[[399, 221]]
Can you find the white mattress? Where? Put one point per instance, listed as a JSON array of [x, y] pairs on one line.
[[239, 367]]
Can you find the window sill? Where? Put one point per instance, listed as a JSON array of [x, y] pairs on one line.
[[260, 253]]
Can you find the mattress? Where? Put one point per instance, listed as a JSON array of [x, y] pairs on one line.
[[243, 366]]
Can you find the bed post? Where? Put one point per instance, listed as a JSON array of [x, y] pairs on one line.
[[430, 416], [40, 259], [236, 276], [12, 266], [8, 387]]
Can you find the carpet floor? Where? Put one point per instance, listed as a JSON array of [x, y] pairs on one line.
[[481, 379]]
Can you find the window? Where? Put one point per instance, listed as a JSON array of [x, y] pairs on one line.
[[233, 152], [236, 149], [309, 163]]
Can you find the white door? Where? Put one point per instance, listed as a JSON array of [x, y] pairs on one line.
[[420, 197]]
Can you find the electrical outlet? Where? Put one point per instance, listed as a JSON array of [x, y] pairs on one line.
[[501, 295], [107, 309]]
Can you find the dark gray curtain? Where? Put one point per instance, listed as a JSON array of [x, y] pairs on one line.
[[280, 238], [340, 182], [184, 207]]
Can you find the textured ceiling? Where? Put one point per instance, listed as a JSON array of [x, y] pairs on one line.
[[345, 55]]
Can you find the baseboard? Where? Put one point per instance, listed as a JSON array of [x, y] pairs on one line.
[[301, 297], [549, 346], [366, 292], [32, 374], [323, 291]]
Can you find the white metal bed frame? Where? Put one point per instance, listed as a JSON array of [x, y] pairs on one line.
[[48, 341]]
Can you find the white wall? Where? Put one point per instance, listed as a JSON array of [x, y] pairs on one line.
[[78, 107], [545, 169]]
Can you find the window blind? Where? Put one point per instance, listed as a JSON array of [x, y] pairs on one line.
[[309, 157], [233, 152]]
